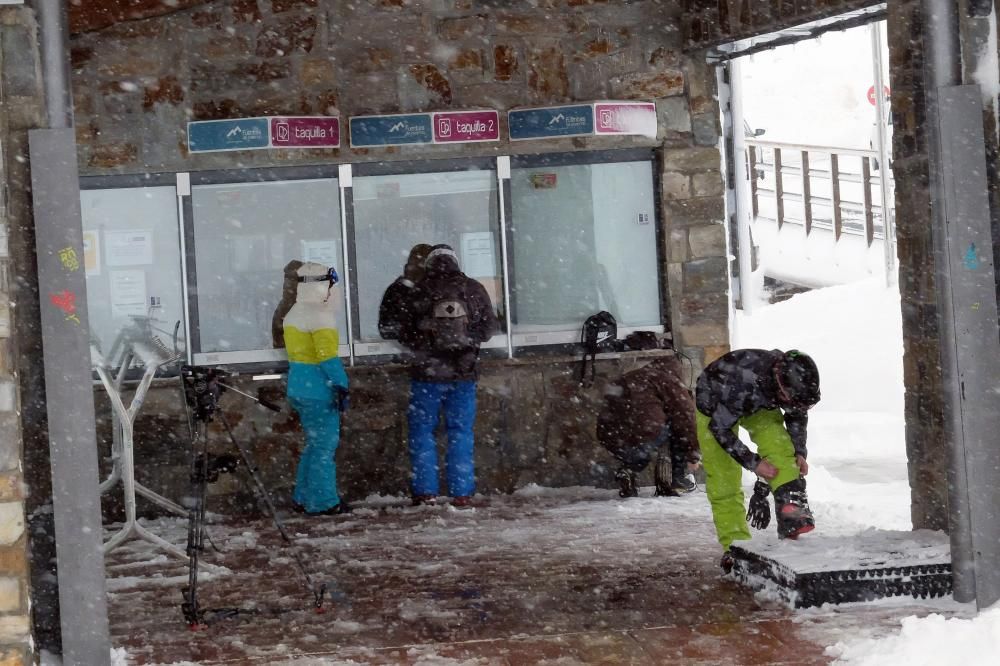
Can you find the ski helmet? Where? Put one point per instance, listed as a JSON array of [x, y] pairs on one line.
[[798, 379]]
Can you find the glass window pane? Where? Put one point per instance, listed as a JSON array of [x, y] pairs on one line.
[[394, 213], [584, 240], [245, 234], [132, 261]]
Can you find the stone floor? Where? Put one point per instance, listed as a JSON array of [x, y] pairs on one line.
[[543, 577]]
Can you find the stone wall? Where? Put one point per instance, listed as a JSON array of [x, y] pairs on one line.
[[926, 443], [535, 424], [20, 110], [137, 84]]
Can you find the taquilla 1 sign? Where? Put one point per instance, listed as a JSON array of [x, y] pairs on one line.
[[208, 136]]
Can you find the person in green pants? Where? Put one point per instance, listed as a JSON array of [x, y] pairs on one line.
[[768, 393]]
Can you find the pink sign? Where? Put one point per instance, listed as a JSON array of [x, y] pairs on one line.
[[635, 118], [305, 132], [466, 126]]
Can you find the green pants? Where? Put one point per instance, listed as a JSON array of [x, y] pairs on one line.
[[723, 475]]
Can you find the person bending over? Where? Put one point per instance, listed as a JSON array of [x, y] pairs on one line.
[[650, 412], [767, 393]]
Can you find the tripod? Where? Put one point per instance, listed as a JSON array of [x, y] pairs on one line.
[[202, 388]]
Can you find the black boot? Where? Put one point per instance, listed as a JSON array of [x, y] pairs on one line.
[[628, 486], [792, 509], [663, 477]]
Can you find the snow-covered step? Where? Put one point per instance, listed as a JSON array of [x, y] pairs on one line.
[[819, 569]]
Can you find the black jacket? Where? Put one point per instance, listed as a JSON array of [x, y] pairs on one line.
[[395, 308], [436, 366], [739, 384]]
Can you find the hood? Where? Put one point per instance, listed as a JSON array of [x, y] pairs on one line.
[[442, 260], [312, 292]]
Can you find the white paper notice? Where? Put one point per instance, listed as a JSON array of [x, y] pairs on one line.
[[477, 256], [128, 248], [128, 293], [326, 252], [92, 252]]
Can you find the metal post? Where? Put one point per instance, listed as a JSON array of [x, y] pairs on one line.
[[806, 193], [346, 179], [779, 189], [866, 193], [62, 289], [746, 200], [503, 180], [183, 190], [885, 171], [838, 221]]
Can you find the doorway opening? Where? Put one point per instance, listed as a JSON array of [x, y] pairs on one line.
[[811, 212]]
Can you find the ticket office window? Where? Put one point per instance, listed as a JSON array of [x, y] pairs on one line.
[[244, 235], [132, 261], [583, 239], [393, 212]]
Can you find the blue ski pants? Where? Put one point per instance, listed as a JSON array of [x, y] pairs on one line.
[[459, 401], [316, 478]]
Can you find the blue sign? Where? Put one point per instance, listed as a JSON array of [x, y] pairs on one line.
[[551, 122], [392, 130], [232, 134]]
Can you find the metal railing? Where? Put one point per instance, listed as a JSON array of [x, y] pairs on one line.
[[819, 187]]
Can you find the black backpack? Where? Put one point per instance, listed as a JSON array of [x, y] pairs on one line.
[[599, 334], [447, 321]]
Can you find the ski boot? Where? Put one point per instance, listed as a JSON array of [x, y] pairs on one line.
[[627, 483], [727, 562], [792, 509]]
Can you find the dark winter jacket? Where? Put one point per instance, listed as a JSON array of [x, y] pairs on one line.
[[739, 384], [443, 280], [395, 308], [641, 403]]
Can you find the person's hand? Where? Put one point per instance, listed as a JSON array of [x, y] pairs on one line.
[[342, 400], [803, 465], [766, 470]]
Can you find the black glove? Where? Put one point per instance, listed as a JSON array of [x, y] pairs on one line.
[[759, 512], [342, 400]]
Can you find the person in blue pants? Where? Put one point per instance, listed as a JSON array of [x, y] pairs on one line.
[[317, 388], [450, 317]]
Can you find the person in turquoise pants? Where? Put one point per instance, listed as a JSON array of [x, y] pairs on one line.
[[768, 393], [317, 388]]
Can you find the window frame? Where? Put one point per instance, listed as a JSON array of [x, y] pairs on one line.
[[504, 345], [262, 359], [567, 341]]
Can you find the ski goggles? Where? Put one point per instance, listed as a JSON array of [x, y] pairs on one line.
[[330, 276]]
